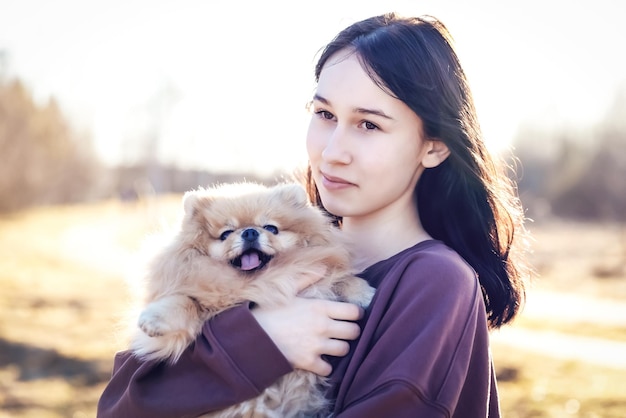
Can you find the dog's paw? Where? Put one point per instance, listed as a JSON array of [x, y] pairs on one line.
[[355, 290], [153, 324], [364, 297]]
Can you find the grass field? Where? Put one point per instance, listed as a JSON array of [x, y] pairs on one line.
[[62, 275]]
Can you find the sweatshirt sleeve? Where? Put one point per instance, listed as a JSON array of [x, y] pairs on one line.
[[231, 361]]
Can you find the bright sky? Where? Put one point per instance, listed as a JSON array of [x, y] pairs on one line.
[[222, 84]]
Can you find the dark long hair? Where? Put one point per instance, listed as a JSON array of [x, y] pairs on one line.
[[468, 201]]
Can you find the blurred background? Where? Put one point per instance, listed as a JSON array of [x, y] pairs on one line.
[[110, 110]]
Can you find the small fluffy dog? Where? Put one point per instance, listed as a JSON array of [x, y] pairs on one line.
[[245, 242]]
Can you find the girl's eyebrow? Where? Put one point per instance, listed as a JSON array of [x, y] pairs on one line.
[[375, 112]]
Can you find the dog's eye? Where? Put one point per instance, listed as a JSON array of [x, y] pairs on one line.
[[271, 228], [225, 235]]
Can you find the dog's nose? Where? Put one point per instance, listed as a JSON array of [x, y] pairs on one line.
[[250, 235]]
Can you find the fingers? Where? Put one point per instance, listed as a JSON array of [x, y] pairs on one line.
[[320, 367], [306, 329], [343, 311], [333, 320], [342, 330], [337, 348]]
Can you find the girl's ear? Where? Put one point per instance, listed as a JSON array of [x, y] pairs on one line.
[[436, 153]]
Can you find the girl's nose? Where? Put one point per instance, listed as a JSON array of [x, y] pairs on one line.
[[337, 148]]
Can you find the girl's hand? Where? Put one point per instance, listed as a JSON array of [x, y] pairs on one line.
[[305, 329]]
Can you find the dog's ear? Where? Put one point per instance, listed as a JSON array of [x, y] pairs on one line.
[[195, 200], [293, 194], [189, 203]]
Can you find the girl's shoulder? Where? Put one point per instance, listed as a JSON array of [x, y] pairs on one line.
[[425, 261]]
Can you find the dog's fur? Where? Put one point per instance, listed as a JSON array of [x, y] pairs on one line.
[[237, 243]]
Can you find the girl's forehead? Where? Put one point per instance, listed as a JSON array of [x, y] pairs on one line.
[[344, 81], [344, 73], [343, 63], [342, 55]]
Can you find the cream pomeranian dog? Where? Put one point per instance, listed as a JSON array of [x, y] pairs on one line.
[[237, 243]]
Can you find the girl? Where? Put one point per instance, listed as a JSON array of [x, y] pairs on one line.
[[396, 156]]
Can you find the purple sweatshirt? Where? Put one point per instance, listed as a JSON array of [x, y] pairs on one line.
[[423, 352]]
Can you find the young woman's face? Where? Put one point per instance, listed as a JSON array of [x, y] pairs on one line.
[[365, 147]]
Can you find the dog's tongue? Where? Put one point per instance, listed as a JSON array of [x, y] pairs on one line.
[[250, 261]]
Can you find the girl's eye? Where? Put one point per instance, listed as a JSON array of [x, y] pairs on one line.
[[369, 126], [225, 235], [325, 114], [271, 228]]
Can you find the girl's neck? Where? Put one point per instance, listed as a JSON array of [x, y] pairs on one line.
[[374, 240]]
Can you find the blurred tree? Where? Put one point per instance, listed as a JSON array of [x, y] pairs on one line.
[[585, 179], [599, 191], [43, 162], [577, 174]]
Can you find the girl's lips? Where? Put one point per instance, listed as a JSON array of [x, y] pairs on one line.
[[334, 183]]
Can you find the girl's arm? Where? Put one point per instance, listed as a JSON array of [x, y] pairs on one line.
[[235, 358], [232, 360]]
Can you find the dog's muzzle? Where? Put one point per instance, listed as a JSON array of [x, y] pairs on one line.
[[251, 258]]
